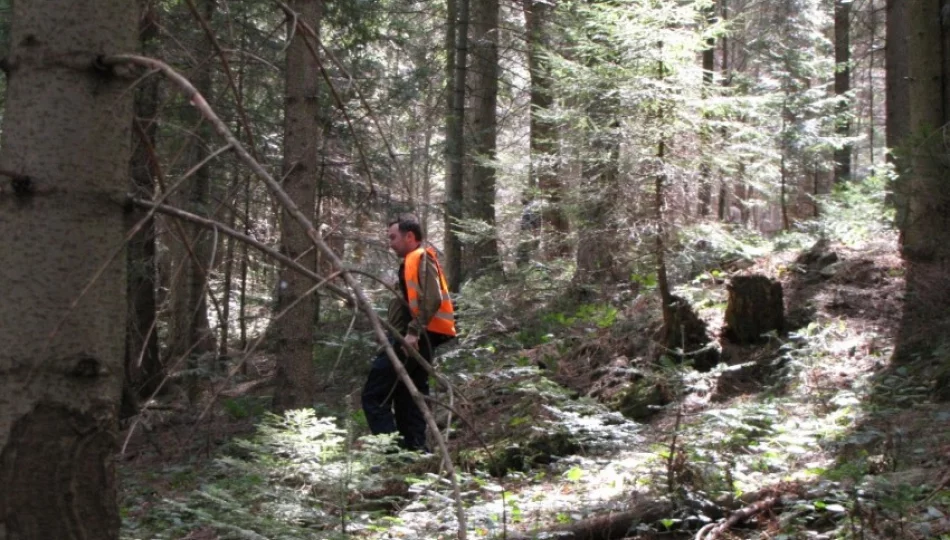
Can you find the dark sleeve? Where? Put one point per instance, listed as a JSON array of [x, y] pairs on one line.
[[398, 314]]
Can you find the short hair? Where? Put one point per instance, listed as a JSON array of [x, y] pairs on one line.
[[408, 223]]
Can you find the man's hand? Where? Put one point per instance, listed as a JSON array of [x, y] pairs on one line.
[[412, 341]]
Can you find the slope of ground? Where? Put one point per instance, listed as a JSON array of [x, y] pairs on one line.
[[814, 434]]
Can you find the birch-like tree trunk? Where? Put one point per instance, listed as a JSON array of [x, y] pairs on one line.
[[296, 373], [67, 132]]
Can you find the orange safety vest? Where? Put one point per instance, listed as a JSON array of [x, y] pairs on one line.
[[443, 322]]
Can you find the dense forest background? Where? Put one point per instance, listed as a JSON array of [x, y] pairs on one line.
[[699, 253]]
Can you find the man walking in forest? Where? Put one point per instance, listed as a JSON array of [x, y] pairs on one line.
[[423, 314]]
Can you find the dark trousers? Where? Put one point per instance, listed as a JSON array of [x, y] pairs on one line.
[[386, 400]]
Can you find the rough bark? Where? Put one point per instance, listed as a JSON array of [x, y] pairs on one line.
[[755, 308], [456, 74], [189, 329], [922, 197], [598, 240], [924, 216], [484, 255], [143, 366], [843, 86], [296, 374], [896, 59], [67, 132], [705, 169], [544, 179]]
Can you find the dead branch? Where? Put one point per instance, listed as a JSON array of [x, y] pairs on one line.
[[359, 294], [739, 516]]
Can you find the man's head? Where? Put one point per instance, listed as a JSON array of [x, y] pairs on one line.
[[405, 235]]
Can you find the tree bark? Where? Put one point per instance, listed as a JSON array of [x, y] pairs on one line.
[[189, 332], [543, 178], [143, 366], [705, 132], [600, 175], [485, 256], [896, 59], [67, 134], [296, 374], [456, 75], [924, 218], [843, 86]]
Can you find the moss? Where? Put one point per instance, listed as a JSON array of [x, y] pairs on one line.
[[542, 449], [642, 400]]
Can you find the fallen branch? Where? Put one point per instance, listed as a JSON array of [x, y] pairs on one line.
[[738, 516]]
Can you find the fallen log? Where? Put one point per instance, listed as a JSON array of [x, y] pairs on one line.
[[607, 527]]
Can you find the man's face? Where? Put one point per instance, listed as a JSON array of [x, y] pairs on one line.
[[400, 242]]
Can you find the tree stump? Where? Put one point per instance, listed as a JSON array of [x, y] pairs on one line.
[[687, 333], [755, 308]]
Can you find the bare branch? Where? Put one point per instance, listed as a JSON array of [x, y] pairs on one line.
[[285, 200]]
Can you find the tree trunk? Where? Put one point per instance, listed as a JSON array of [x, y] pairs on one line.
[[543, 178], [896, 58], [189, 329], [296, 374], [456, 74], [843, 86], [600, 176], [924, 218], [755, 308], [485, 256], [143, 367], [67, 132], [705, 135]]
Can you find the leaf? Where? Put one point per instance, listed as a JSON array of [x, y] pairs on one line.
[[574, 474]]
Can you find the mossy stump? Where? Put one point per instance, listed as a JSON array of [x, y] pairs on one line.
[[755, 308]]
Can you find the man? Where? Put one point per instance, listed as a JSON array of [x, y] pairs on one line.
[[424, 315]]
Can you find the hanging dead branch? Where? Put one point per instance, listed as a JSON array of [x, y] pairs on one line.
[[288, 204]]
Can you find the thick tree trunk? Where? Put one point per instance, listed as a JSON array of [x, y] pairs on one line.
[[296, 374], [544, 180], [843, 86], [456, 74], [924, 218], [484, 255], [67, 131]]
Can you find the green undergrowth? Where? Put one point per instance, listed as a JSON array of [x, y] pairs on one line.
[[549, 380]]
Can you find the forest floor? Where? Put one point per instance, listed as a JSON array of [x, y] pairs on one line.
[[570, 426]]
